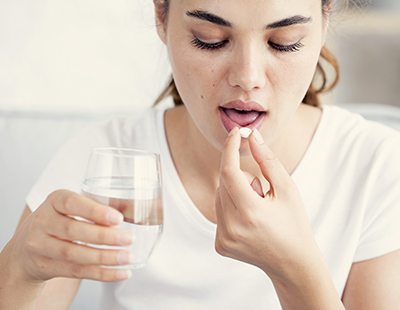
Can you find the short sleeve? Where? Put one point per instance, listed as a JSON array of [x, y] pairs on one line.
[[381, 225]]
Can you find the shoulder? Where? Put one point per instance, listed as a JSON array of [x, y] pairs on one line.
[[128, 122], [67, 167], [347, 146], [119, 130], [351, 131]]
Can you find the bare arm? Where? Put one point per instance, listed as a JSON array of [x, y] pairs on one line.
[[374, 284], [41, 266], [56, 293], [272, 230]]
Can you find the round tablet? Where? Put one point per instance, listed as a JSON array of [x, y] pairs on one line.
[[245, 132]]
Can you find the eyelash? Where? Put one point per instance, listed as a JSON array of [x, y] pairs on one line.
[[215, 46], [208, 46]]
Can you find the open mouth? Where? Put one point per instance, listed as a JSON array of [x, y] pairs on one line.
[[241, 118]]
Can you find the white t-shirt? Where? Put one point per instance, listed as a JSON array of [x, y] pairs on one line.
[[349, 179]]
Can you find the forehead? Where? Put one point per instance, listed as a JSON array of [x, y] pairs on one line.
[[249, 11]]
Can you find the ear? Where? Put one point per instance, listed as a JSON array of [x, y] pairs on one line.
[[160, 19], [325, 27], [326, 12]]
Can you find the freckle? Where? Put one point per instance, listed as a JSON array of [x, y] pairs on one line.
[[213, 85], [202, 97]]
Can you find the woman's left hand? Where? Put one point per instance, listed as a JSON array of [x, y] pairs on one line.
[[271, 230]]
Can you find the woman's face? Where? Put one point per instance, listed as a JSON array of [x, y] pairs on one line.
[[243, 63]]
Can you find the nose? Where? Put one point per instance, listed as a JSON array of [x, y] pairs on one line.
[[247, 69]]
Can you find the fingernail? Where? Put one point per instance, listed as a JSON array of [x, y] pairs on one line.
[[123, 274], [125, 258], [245, 132], [233, 131], [114, 217], [126, 238], [258, 136]]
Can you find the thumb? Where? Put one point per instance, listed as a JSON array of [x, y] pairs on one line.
[[270, 166]]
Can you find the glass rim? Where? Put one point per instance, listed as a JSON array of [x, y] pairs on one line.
[[125, 152]]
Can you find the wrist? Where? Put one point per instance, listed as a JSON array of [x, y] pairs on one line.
[[309, 287], [16, 290]]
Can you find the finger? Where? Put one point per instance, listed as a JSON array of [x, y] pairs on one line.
[[67, 228], [270, 166], [92, 272], [83, 254], [222, 222], [228, 205], [230, 154], [219, 211], [232, 177], [226, 211], [256, 185], [72, 204]]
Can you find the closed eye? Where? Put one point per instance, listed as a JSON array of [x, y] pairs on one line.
[[218, 45], [208, 46], [286, 48]]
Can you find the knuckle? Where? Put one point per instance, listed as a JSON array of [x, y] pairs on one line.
[[38, 220], [102, 258], [77, 271], [235, 235], [68, 201], [220, 247], [31, 245], [101, 236], [269, 155], [69, 228], [267, 161], [226, 172], [56, 195], [92, 212], [65, 253], [251, 220], [239, 235], [103, 274], [53, 195]]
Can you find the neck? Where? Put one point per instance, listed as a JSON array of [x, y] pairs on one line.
[[197, 161], [188, 146]]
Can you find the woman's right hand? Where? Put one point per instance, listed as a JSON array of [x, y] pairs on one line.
[[44, 247]]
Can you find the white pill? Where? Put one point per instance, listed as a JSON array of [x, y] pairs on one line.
[[245, 132]]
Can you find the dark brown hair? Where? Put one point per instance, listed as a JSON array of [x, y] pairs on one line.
[[312, 96]]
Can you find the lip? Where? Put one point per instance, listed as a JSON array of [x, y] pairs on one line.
[[229, 124], [244, 105]]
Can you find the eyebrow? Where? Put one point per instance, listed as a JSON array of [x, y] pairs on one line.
[[293, 20], [212, 18]]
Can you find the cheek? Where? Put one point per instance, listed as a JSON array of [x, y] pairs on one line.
[[194, 74], [295, 75]]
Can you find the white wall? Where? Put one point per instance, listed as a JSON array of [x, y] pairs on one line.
[[100, 56], [79, 55]]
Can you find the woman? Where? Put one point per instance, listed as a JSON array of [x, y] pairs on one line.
[[301, 215]]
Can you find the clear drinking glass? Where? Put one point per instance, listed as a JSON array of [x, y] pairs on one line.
[[130, 181]]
